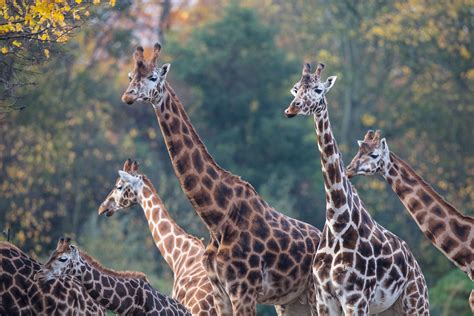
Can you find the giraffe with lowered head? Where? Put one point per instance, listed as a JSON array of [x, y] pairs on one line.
[[123, 292], [256, 254], [20, 294], [448, 229], [181, 251], [360, 268]]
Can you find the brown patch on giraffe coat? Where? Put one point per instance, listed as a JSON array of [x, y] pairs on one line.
[[188, 142], [175, 147], [338, 197], [460, 230], [448, 244], [197, 161], [183, 164], [414, 205], [420, 217], [146, 193], [202, 198], [190, 181], [438, 211], [175, 126], [436, 227], [425, 197]]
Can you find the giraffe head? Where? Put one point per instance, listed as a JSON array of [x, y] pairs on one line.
[[63, 261], [309, 93], [146, 80], [126, 190], [373, 156]]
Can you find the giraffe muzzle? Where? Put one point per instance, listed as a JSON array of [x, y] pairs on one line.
[[128, 98], [291, 111]]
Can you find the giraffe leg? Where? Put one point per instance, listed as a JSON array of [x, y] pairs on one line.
[[415, 297], [326, 305]]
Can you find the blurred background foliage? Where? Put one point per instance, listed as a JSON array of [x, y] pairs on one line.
[[405, 67]]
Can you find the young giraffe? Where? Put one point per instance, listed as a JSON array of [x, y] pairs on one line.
[[449, 230], [123, 292], [20, 294], [360, 268], [181, 251], [256, 254]]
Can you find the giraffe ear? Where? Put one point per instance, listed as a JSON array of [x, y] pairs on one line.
[[330, 82], [360, 142], [383, 144], [127, 177], [165, 69]]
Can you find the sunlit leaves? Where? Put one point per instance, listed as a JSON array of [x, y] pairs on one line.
[[40, 20]]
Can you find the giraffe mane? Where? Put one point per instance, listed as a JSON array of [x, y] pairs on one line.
[[121, 274], [428, 187]]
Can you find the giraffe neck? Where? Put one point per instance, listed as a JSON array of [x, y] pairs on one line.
[[175, 245], [112, 289], [206, 184], [339, 192], [449, 230]]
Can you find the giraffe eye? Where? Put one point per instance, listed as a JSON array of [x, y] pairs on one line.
[[374, 156], [119, 187], [318, 91], [62, 259], [152, 78]]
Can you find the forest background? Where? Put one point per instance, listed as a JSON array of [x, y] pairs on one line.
[[405, 67]]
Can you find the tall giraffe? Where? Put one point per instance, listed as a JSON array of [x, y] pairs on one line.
[[123, 292], [448, 229], [181, 251], [20, 294], [360, 268], [256, 254]]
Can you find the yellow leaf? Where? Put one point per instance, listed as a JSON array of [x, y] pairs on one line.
[[46, 52], [368, 119], [469, 73], [464, 52], [96, 2], [4, 50], [44, 37], [79, 1], [16, 43]]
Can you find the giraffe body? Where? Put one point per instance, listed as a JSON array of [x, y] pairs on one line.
[[20, 294], [125, 293], [360, 268], [182, 252], [256, 254]]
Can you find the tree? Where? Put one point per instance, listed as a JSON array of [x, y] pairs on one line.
[[28, 31]]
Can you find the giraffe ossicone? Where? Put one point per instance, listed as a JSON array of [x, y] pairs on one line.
[[256, 254], [360, 268]]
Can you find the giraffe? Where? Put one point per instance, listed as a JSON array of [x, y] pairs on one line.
[[20, 294], [181, 251], [256, 254], [360, 268], [123, 292], [448, 229]]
